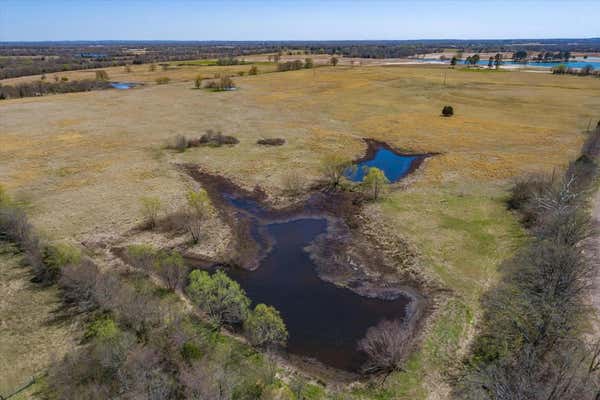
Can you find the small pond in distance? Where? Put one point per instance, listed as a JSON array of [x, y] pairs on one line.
[[395, 166], [122, 85]]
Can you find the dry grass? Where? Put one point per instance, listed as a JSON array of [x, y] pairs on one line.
[[32, 334]]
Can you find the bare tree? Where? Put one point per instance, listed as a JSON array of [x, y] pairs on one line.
[[386, 346]]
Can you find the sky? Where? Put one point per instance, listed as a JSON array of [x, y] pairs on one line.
[[30, 20]]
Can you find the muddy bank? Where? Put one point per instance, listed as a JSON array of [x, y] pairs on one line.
[[331, 239], [344, 254]]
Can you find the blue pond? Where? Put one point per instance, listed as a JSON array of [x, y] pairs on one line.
[[394, 166], [122, 85]]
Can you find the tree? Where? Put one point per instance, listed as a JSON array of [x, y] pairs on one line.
[[253, 70], [453, 61], [475, 59], [490, 62], [198, 81], [447, 111], [309, 63], [386, 346], [219, 296], [200, 206], [498, 60], [333, 168], [151, 207], [520, 56], [334, 61], [374, 182], [171, 269], [264, 326], [560, 69]]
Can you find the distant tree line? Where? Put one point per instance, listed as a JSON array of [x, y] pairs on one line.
[[587, 70], [42, 88], [20, 59]]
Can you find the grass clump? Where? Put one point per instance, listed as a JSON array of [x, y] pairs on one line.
[[163, 80]]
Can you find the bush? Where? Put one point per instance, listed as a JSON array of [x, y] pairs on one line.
[[163, 80], [141, 256], [101, 75], [178, 143], [56, 256], [217, 139], [198, 81], [253, 70], [104, 328], [386, 346], [151, 207], [221, 83], [448, 111], [265, 327], [293, 183], [219, 296], [333, 168], [271, 142], [290, 66], [80, 285]]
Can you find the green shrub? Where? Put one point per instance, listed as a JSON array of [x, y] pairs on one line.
[[219, 296], [264, 326], [104, 328], [447, 111], [190, 351], [60, 254]]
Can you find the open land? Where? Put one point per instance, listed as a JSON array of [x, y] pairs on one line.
[[81, 161]]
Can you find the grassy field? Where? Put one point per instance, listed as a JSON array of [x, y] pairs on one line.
[[32, 332], [83, 160]]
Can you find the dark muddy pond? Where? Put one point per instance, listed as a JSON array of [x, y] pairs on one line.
[[324, 321], [394, 165]]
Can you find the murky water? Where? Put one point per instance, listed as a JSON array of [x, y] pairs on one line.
[[324, 321]]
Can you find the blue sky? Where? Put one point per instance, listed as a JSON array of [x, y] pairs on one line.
[[295, 20]]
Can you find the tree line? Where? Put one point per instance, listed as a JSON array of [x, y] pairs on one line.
[[531, 342]]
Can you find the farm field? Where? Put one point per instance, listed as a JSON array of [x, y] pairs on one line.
[[82, 161]]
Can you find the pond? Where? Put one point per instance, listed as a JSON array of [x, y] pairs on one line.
[[394, 165], [324, 321], [122, 85]]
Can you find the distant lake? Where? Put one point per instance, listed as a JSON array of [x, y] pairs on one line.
[[578, 63]]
